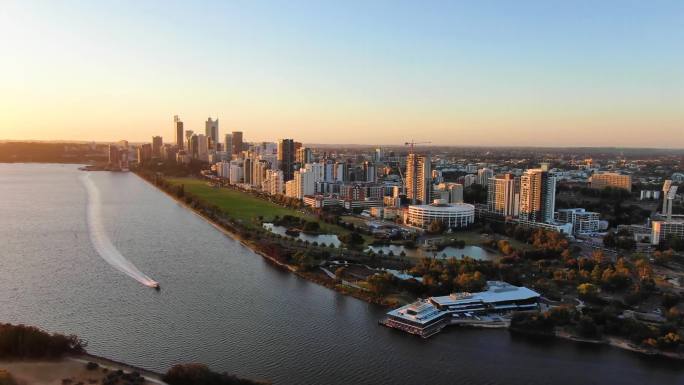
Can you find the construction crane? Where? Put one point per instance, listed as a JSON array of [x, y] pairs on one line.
[[411, 144]]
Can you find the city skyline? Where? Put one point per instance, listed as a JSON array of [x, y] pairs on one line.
[[496, 74]]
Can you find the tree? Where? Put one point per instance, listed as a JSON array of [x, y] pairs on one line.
[[379, 283], [199, 374], [587, 291], [311, 227], [436, 227], [471, 282], [339, 272], [304, 260], [352, 238], [609, 240]]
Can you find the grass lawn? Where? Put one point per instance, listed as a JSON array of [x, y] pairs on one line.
[[245, 207]]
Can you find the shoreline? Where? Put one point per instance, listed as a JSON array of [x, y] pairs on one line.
[[608, 341], [252, 247], [104, 362]]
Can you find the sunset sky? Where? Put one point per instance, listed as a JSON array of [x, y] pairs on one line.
[[598, 73]]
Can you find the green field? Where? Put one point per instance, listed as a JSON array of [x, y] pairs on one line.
[[245, 207]]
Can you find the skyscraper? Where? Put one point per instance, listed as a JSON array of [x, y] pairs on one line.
[[228, 147], [203, 148], [537, 196], [178, 127], [369, 172], [211, 128], [418, 175], [503, 195], [144, 153], [304, 156], [193, 145], [286, 158], [483, 175], [156, 146], [237, 142]]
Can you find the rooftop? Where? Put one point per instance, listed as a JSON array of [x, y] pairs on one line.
[[497, 291]]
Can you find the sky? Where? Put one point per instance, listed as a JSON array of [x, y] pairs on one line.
[[532, 73]]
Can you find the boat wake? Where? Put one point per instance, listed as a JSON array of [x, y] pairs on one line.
[[103, 245]]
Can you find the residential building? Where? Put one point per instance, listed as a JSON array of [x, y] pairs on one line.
[[483, 176], [611, 179], [583, 222], [662, 230], [469, 180], [418, 178], [537, 196], [503, 195], [369, 172], [304, 156], [273, 182]]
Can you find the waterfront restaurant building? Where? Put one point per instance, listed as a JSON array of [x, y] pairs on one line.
[[454, 215], [427, 317]]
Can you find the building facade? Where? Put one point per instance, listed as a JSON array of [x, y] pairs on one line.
[[503, 195], [458, 215], [418, 179], [611, 179]]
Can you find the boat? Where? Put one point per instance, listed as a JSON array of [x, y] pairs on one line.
[[155, 286]]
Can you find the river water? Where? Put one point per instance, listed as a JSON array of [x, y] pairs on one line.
[[223, 305]]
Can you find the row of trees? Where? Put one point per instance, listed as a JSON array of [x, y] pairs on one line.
[[29, 342], [596, 322], [199, 374]]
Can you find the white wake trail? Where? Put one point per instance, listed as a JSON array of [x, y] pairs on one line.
[[103, 245]]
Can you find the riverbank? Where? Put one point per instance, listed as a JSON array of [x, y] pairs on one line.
[[311, 274], [84, 369], [255, 247]]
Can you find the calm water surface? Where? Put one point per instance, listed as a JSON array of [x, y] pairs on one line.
[[223, 305], [475, 252]]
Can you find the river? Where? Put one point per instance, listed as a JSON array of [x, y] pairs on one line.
[[223, 305]]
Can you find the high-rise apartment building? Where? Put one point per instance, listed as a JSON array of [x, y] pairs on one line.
[[286, 158], [503, 195], [211, 128], [369, 172], [537, 196], [418, 179], [483, 176], [341, 172], [317, 170], [178, 128], [273, 182], [304, 156], [237, 142]]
